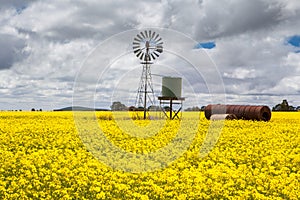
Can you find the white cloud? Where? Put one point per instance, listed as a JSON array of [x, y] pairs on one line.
[[240, 73], [288, 85]]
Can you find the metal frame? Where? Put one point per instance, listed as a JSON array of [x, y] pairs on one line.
[[171, 101]]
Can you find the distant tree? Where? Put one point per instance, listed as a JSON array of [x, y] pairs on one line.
[[292, 108], [140, 108], [153, 108], [118, 106], [188, 109], [32, 109], [284, 106], [167, 108], [194, 108], [132, 108], [41, 110]]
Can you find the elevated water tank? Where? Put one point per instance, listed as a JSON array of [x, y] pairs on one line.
[[171, 87]]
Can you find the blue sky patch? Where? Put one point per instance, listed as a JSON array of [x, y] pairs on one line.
[[205, 45], [294, 40], [20, 9]]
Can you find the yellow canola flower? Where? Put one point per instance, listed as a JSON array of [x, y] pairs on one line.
[[42, 157]]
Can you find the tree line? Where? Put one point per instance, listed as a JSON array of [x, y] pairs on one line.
[[118, 106]]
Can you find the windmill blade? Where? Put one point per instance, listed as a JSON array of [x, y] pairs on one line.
[[139, 37], [142, 56], [159, 49], [136, 47], [153, 34], [157, 41], [157, 52], [143, 35], [156, 37], [146, 34], [149, 33], [139, 53], [153, 57], [157, 55], [136, 43], [137, 40], [159, 44], [137, 50]]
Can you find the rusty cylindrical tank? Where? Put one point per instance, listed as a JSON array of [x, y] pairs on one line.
[[260, 113]]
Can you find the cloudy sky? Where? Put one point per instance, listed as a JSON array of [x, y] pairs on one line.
[[46, 45]]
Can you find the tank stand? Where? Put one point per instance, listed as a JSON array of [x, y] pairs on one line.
[[171, 106]]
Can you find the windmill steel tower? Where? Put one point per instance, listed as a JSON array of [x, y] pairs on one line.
[[147, 46]]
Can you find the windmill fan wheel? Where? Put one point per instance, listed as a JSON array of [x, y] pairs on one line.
[[147, 45]]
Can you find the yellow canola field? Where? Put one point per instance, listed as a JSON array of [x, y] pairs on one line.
[[44, 155]]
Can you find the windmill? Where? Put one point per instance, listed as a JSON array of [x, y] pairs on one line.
[[147, 46]]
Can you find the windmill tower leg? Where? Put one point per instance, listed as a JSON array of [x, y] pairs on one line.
[[145, 94]]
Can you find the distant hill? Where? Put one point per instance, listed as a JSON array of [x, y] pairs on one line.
[[80, 108]]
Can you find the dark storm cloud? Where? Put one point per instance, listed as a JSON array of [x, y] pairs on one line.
[[227, 19], [214, 19], [11, 50], [60, 21]]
